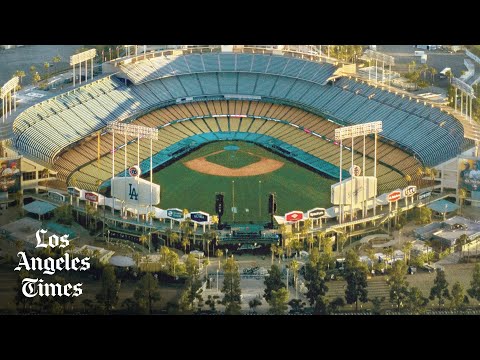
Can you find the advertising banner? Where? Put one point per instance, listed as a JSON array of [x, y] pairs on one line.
[[294, 216], [135, 191], [175, 214], [199, 217], [10, 174], [469, 174]]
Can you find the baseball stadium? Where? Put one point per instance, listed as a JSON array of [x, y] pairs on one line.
[[174, 168], [242, 121]]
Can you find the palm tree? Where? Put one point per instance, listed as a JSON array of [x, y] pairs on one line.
[[20, 74], [185, 243], [462, 194], [411, 66], [46, 65], [371, 255], [206, 262], [280, 252], [168, 233], [321, 236], [174, 237], [219, 254], [407, 248], [423, 70], [433, 175], [205, 238], [295, 266], [389, 253], [433, 71], [36, 78], [449, 75], [428, 244], [56, 59], [273, 250], [342, 239], [143, 239], [407, 178]]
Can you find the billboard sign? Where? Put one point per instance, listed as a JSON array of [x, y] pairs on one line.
[[10, 175], [56, 196], [316, 213], [90, 196], [73, 191], [135, 191], [424, 195], [410, 191], [175, 214], [394, 196], [469, 174], [199, 217], [293, 216]]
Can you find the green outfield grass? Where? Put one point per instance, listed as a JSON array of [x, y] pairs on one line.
[[296, 187], [233, 159]]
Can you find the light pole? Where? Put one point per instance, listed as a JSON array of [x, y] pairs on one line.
[[259, 198], [287, 279], [217, 280], [226, 254], [233, 200]]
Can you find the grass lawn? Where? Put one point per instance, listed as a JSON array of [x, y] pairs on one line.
[[296, 187]]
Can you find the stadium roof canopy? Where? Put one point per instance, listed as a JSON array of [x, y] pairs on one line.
[[39, 207], [443, 206]]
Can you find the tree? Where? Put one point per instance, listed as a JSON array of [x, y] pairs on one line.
[[377, 304], [46, 65], [407, 248], [212, 301], [143, 239], [56, 59], [440, 288], [296, 306], [356, 277], [398, 284], [424, 215], [416, 303], [341, 240], [273, 250], [147, 292], [278, 302], [193, 284], [458, 297], [316, 285], [474, 290], [20, 299], [64, 214], [36, 78], [389, 253], [174, 237], [272, 282], [172, 262], [20, 74], [185, 243], [231, 287], [280, 252], [433, 72], [254, 303], [108, 295], [295, 266]]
